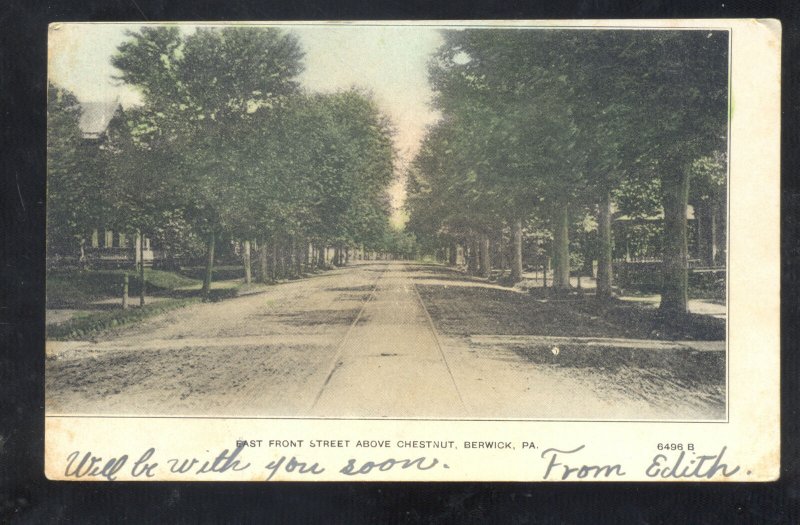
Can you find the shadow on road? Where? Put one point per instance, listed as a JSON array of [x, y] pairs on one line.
[[327, 316], [464, 305], [364, 288]]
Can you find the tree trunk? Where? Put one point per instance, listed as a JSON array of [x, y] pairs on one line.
[[486, 258], [674, 292], [82, 257], [588, 249], [263, 261], [125, 291], [286, 260], [321, 255], [516, 257], [453, 261], [472, 262], [713, 233], [605, 255], [246, 260], [293, 259], [278, 263], [561, 248], [299, 257], [705, 214], [142, 284], [545, 268], [498, 254], [720, 230], [206, 291]]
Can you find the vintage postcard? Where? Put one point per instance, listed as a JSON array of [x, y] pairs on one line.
[[428, 251]]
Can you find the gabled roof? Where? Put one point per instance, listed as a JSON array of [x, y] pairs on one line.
[[96, 116]]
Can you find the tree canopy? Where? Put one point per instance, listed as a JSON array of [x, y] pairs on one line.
[[545, 125], [227, 144]]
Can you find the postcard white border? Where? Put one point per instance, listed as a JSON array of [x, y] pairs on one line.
[[749, 439]]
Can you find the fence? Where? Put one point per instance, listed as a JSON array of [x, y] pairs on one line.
[[645, 275]]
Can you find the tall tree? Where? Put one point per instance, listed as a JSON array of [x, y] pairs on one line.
[[559, 111], [202, 90], [73, 204], [682, 115], [503, 85]]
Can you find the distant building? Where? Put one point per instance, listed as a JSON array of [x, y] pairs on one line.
[[638, 249], [96, 117]]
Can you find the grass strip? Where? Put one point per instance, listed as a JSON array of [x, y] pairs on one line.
[[82, 327], [83, 286]]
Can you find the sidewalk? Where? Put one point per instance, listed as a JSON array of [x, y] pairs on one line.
[[696, 306], [598, 342]]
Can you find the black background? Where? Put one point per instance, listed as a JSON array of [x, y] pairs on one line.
[[27, 497]]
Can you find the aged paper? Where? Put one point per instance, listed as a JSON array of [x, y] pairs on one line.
[[414, 251]]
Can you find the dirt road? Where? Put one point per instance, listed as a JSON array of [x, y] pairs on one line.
[[391, 363], [385, 339]]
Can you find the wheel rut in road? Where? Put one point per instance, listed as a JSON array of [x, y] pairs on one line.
[[390, 363], [359, 342]]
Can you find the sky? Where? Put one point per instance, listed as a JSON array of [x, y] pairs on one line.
[[389, 61]]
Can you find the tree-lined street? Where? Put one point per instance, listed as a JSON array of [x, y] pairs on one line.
[[553, 158]]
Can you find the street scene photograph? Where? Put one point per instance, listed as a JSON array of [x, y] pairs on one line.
[[369, 221]]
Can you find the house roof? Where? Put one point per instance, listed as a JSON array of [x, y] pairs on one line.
[[96, 116]]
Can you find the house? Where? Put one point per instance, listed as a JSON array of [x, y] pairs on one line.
[[107, 248], [638, 247]]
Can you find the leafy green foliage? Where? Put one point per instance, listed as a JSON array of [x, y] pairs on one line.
[[536, 121], [73, 176], [226, 146], [708, 177], [200, 94]]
